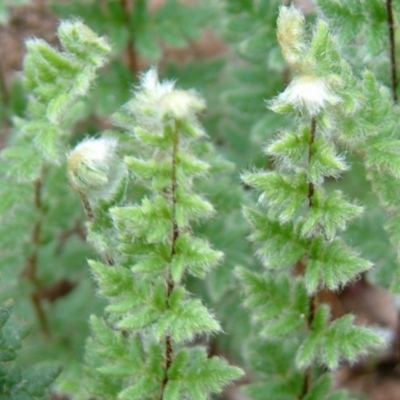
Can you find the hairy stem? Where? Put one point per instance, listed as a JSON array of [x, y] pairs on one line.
[[175, 234], [310, 155], [87, 207], [91, 218], [130, 50], [392, 43], [312, 300]]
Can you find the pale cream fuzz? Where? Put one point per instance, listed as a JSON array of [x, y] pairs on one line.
[[290, 33], [307, 94]]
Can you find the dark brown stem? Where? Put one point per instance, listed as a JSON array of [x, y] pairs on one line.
[[307, 378], [31, 263], [169, 352], [87, 207], [91, 218], [41, 315], [130, 50], [392, 42], [306, 383], [3, 87], [312, 309]]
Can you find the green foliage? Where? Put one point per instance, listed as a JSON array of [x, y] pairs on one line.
[[140, 32], [144, 278], [172, 23], [282, 245], [323, 390], [333, 341], [268, 296], [249, 26], [355, 17], [192, 374], [55, 81], [156, 194], [39, 212], [298, 233], [31, 383], [272, 363]]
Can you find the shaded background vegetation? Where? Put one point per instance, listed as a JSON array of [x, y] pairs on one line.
[[227, 50]]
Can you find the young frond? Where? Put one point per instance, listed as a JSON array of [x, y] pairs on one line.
[[332, 264], [329, 344]]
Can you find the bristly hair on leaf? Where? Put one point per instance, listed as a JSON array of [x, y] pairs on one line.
[[298, 221], [156, 250]]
